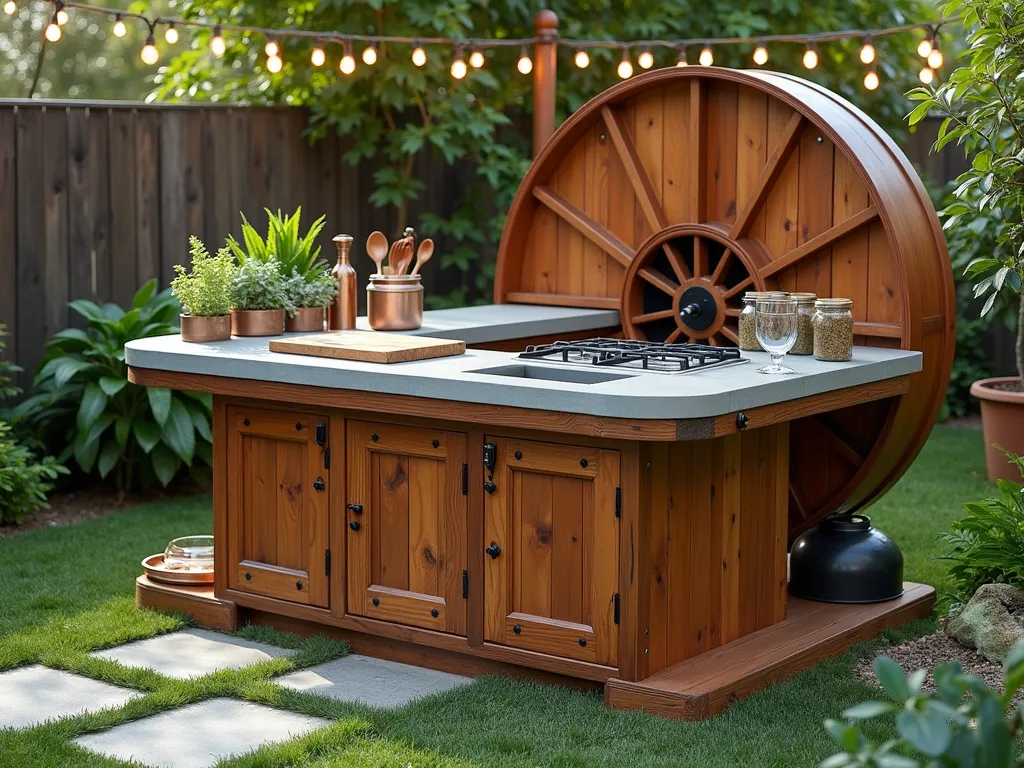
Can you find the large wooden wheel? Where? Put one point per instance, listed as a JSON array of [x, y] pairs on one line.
[[672, 193]]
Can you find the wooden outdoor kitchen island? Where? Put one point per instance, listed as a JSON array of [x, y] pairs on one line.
[[473, 514]]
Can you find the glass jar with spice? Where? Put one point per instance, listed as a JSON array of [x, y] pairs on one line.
[[833, 329], [747, 326], [805, 327]]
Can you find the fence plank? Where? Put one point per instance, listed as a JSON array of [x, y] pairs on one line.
[[8, 232], [55, 221], [31, 324], [218, 178], [148, 220], [173, 193], [124, 271]]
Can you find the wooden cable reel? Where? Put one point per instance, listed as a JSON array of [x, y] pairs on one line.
[[671, 194]]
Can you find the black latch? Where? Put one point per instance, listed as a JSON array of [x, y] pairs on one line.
[[465, 479], [618, 502], [490, 462], [327, 458], [321, 434], [465, 583], [327, 562], [615, 616]]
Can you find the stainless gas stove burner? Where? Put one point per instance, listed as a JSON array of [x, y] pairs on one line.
[[643, 356]]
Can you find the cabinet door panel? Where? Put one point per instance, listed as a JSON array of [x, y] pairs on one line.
[[277, 519], [552, 587], [407, 525]]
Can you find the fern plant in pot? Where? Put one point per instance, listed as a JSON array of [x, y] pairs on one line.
[[983, 106], [205, 293]]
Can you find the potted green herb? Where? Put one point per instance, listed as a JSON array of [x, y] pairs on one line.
[[258, 299], [205, 293], [309, 296], [983, 103]]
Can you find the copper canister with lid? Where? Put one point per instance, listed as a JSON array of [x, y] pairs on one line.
[[394, 302]]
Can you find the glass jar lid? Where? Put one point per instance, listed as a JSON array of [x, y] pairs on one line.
[[754, 295], [834, 304], [804, 298]]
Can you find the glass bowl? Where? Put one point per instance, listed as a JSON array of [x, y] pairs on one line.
[[189, 553]]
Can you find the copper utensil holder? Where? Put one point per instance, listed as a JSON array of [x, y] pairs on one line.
[[394, 302]]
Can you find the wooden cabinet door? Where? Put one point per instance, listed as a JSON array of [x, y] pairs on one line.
[[278, 508], [551, 566], [406, 517]]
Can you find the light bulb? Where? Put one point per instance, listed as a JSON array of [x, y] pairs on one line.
[[120, 30], [459, 66], [52, 32], [318, 57], [760, 55], [935, 58], [149, 52], [217, 44], [810, 58], [927, 75], [525, 65], [645, 60], [272, 48], [476, 59], [681, 58], [625, 68], [419, 56], [348, 63], [171, 35], [62, 17], [871, 80], [707, 58], [581, 59], [925, 47], [369, 55], [10, 7], [274, 64], [867, 51]]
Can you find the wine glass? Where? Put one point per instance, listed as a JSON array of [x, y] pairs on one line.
[[775, 324]]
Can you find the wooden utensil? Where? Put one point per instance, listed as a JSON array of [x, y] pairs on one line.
[[423, 254], [377, 247], [405, 255], [393, 257]]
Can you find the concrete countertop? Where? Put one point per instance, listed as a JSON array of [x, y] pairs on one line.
[[461, 378]]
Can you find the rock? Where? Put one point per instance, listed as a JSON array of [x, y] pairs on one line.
[[992, 621]]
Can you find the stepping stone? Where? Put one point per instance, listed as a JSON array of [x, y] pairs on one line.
[[192, 653], [32, 695], [199, 735], [370, 681]]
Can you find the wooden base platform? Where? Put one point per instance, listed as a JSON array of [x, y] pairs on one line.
[[198, 602], [706, 685]]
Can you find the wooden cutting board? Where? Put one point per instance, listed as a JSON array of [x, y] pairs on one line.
[[369, 346]]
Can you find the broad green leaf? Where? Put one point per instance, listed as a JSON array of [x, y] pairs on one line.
[[122, 429], [199, 420], [868, 710], [94, 400], [1013, 671], [108, 458], [928, 732], [144, 294], [147, 433], [837, 760], [179, 433], [112, 386], [891, 678], [159, 403], [996, 746], [165, 463], [85, 450]]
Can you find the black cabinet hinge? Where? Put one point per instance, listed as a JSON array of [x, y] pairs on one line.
[[615, 618], [327, 458], [618, 502], [327, 562], [465, 583], [465, 479]]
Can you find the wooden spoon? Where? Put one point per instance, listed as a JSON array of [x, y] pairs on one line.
[[405, 255], [377, 247], [423, 254]]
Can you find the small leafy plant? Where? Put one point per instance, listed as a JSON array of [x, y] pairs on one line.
[[24, 482], [83, 406], [283, 243], [259, 285], [964, 724], [987, 544], [318, 290], [206, 290], [7, 369]]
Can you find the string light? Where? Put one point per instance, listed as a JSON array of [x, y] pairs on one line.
[[419, 56], [120, 30], [52, 32], [318, 58], [582, 58], [458, 65], [272, 48], [625, 68], [867, 53], [348, 61], [810, 56], [171, 35], [217, 45], [935, 59], [370, 55], [927, 75], [925, 46], [706, 58], [870, 80], [760, 55], [10, 7], [645, 59], [149, 52], [62, 15], [681, 57], [274, 64], [476, 59], [525, 64]]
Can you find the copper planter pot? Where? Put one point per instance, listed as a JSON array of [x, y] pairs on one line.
[[307, 320], [1002, 422], [257, 322], [202, 329]]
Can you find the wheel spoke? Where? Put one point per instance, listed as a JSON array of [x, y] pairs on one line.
[[586, 226], [823, 240], [653, 212], [674, 335], [838, 443], [675, 259], [650, 317], [659, 280], [715, 340], [730, 334], [738, 288], [700, 257], [789, 140], [733, 312], [797, 501], [723, 262]]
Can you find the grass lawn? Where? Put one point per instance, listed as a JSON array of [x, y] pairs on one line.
[[67, 591]]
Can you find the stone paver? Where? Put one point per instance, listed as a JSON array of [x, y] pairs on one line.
[[32, 695], [192, 653], [375, 682], [199, 735]]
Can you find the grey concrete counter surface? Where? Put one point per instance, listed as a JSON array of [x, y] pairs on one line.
[[460, 378]]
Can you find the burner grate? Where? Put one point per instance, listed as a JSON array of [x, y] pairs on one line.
[[639, 355]]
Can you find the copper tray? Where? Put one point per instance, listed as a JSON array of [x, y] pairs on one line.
[[154, 567]]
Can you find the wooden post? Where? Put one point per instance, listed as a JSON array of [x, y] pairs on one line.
[[545, 60]]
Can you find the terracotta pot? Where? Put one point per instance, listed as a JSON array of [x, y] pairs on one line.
[[307, 319], [1002, 422], [257, 322], [201, 329]]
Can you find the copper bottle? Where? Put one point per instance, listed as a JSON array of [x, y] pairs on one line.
[[341, 315]]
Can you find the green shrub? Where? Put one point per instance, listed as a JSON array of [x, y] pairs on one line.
[[7, 369], [962, 725], [206, 291], [987, 544], [259, 285], [24, 482], [83, 403], [316, 290], [283, 243]]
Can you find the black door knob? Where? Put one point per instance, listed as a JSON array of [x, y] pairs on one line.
[[494, 550], [356, 509], [318, 484], [354, 525]]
